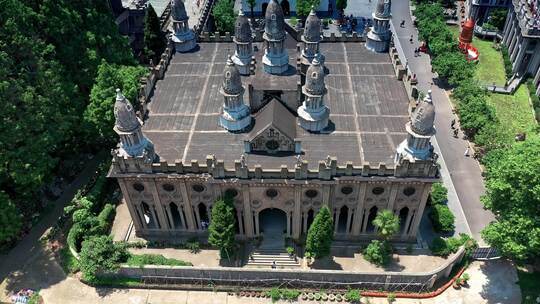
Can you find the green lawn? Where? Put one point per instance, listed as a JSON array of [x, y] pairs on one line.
[[154, 259], [514, 111], [529, 282], [490, 67]]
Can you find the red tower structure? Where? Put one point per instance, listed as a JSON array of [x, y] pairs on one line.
[[465, 40]]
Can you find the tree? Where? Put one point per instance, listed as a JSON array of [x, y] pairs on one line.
[[513, 194], [497, 18], [10, 221], [474, 115], [154, 39], [224, 16], [320, 234], [100, 254], [252, 4], [438, 194], [341, 5], [222, 227], [378, 252], [442, 218], [453, 67], [387, 224], [99, 114], [303, 7]]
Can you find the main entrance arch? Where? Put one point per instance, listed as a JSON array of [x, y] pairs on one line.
[[272, 221]]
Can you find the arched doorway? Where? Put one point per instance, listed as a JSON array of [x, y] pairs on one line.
[[176, 217], [310, 217], [372, 214], [272, 221], [403, 214], [342, 220], [203, 216], [149, 216], [264, 7], [285, 6]]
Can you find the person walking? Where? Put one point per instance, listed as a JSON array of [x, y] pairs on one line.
[[274, 266], [402, 24], [411, 39], [466, 154], [452, 123]]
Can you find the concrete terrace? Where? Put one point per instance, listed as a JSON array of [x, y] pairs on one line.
[[368, 105]]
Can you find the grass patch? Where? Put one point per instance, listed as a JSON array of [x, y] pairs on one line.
[[116, 282], [490, 68], [454, 29], [529, 282], [68, 262], [140, 260], [514, 111]]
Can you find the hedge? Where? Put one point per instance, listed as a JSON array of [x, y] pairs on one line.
[[442, 218], [154, 259]]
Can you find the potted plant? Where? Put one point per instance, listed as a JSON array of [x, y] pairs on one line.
[[457, 283], [391, 298], [325, 23], [465, 279], [290, 251], [309, 258]]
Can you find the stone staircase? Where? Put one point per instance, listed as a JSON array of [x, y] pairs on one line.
[[272, 249]]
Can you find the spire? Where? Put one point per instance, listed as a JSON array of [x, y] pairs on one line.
[[383, 8], [312, 32], [232, 82], [315, 78], [124, 114], [242, 30], [274, 27], [423, 118]]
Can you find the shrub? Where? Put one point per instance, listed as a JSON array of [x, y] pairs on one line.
[[290, 250], [378, 253], [154, 259], [320, 234], [391, 298], [193, 246], [507, 62], [439, 247], [442, 218], [290, 294], [293, 21], [100, 254], [106, 216], [353, 296], [442, 247], [438, 194], [274, 294]]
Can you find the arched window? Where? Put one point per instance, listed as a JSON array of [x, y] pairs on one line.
[[372, 214]]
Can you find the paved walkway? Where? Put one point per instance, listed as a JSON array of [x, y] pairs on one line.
[[28, 247], [464, 171]]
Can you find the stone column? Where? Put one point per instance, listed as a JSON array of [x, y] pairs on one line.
[[366, 217], [357, 223], [297, 220], [305, 216], [137, 221], [420, 210], [408, 221], [514, 45], [256, 215], [508, 26], [248, 214], [336, 223], [182, 216], [197, 217], [349, 217], [167, 208], [188, 210], [392, 198], [158, 206], [517, 49], [154, 217], [288, 223], [240, 224]]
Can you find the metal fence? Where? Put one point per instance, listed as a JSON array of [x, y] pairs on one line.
[[485, 253]]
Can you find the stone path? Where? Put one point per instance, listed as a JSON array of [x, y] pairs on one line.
[[29, 246], [464, 172]]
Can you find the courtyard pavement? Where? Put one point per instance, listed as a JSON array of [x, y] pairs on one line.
[[464, 172]]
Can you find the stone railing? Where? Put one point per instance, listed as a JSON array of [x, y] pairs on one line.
[[203, 18], [247, 277], [228, 37], [147, 84], [404, 74], [297, 35], [487, 34]]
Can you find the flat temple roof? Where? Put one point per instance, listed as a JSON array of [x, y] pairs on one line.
[[368, 109]]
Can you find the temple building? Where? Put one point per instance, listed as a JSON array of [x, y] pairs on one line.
[[294, 134]]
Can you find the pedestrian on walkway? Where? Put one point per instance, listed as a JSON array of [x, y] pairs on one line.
[[411, 39], [466, 154], [455, 133], [274, 265], [453, 123], [402, 24]]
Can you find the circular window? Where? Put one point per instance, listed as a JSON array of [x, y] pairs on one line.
[[409, 191], [231, 192], [271, 193], [138, 187], [311, 193], [197, 188], [378, 190], [168, 187], [346, 190], [272, 145]]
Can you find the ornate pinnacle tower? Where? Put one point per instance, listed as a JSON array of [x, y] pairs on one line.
[[243, 41], [183, 37], [417, 145], [132, 141], [313, 113], [311, 38], [378, 38], [235, 115], [275, 59]]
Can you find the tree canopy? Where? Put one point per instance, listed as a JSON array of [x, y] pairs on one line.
[[10, 222], [154, 39], [320, 234], [224, 16], [49, 54], [222, 227], [100, 254], [513, 194], [387, 223], [303, 7]]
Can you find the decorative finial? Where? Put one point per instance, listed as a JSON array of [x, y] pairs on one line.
[[119, 95], [243, 160], [298, 161], [315, 61]]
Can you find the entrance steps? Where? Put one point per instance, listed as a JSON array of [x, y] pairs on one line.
[[264, 257]]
